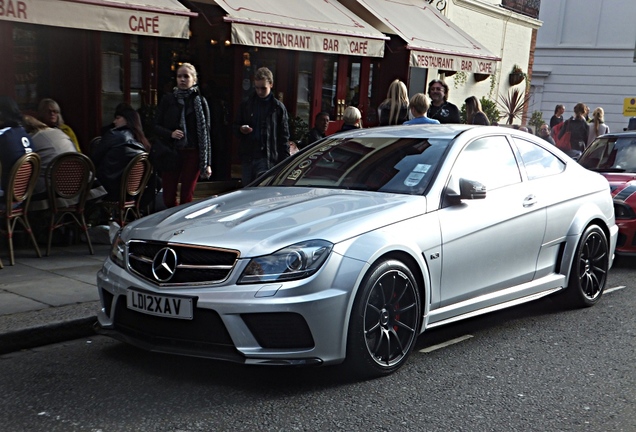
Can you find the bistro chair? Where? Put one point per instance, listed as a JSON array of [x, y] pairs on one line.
[[69, 179], [133, 184], [92, 145], [17, 195]]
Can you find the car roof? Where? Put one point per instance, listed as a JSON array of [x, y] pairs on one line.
[[445, 131], [629, 134]]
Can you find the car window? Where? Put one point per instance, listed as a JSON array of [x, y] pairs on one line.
[[488, 160], [537, 161], [396, 165], [612, 153]]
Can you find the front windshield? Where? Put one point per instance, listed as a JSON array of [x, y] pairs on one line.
[[611, 154], [396, 165]]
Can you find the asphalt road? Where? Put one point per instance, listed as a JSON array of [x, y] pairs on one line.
[[531, 368]]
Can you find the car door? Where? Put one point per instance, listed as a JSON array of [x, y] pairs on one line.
[[489, 244]]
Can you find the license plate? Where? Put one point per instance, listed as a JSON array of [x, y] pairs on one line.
[[160, 305]]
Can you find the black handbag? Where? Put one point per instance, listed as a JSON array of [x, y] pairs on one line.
[[164, 156]]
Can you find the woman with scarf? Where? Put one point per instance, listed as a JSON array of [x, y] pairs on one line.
[[183, 120]]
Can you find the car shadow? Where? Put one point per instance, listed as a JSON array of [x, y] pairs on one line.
[[284, 379]]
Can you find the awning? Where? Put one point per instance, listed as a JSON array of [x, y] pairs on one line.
[[434, 41], [164, 18], [323, 26]]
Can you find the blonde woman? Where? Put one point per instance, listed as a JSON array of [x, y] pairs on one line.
[[50, 114], [183, 121], [598, 126], [395, 108]]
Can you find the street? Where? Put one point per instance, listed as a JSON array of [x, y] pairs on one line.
[[530, 368]]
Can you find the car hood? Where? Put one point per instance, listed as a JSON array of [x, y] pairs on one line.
[[257, 221], [621, 183]]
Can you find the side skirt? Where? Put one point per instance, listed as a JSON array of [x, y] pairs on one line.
[[437, 318]]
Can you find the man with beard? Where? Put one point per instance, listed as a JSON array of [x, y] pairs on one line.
[[441, 109]]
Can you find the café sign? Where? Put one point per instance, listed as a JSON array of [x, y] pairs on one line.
[[287, 38], [424, 59], [165, 18]]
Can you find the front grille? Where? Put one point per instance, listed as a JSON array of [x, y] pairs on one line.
[[279, 330], [206, 327], [195, 264]]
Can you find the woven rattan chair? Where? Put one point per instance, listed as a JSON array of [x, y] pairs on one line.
[[133, 184], [17, 195], [69, 178]]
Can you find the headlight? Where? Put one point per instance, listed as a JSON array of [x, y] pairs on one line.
[[623, 211], [118, 251], [293, 262]]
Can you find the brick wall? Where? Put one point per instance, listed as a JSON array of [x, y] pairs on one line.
[[525, 7]]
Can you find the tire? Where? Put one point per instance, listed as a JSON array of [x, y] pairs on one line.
[[589, 269], [385, 321]]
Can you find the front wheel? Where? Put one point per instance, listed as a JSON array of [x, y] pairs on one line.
[[589, 269], [385, 320]]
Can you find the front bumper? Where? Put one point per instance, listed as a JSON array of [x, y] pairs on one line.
[[289, 323]]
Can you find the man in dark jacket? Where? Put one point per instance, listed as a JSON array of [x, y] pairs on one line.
[[263, 128]]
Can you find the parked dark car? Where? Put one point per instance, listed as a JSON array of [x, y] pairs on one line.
[[614, 156]]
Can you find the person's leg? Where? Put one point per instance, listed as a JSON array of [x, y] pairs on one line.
[[189, 174], [246, 172], [169, 180], [259, 166]]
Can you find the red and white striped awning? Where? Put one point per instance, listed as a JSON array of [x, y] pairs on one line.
[[163, 18]]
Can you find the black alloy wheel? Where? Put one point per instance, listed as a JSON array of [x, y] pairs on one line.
[[589, 269], [385, 321]]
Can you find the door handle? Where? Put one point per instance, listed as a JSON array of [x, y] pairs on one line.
[[529, 201]]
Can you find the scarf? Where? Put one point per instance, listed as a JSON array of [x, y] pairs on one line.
[[202, 114]]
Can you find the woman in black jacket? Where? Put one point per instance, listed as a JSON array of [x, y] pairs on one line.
[[116, 149], [183, 120], [578, 128]]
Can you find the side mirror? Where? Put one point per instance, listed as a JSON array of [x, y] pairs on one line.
[[469, 189]]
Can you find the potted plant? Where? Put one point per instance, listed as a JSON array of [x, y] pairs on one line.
[[517, 75], [513, 104]]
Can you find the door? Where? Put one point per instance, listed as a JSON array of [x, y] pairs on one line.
[[492, 243]]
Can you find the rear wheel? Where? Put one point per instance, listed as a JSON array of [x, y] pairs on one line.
[[589, 269], [385, 320]]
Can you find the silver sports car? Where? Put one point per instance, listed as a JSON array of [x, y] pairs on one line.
[[351, 248]]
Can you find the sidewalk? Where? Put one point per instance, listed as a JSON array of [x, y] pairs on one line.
[[49, 299]]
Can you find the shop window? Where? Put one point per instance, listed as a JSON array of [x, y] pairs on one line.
[[28, 69], [305, 86], [329, 81], [121, 74]]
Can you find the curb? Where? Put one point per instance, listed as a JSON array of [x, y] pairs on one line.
[[46, 334]]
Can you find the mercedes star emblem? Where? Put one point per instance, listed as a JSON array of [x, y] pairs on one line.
[[164, 264]]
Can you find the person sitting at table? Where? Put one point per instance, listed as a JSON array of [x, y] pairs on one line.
[[47, 142], [116, 149], [49, 113], [14, 140]]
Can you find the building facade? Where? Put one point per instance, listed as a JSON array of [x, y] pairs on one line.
[[89, 55], [585, 53]]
